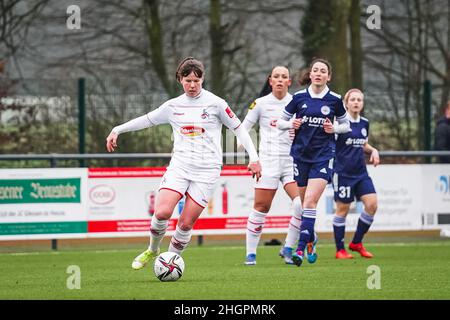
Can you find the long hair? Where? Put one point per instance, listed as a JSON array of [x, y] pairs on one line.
[[266, 89]]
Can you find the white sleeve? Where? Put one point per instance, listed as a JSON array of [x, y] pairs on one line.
[[244, 138], [133, 125], [247, 124], [227, 116], [160, 115], [284, 124], [342, 125], [153, 118], [253, 115]]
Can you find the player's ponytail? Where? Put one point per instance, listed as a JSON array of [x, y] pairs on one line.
[[303, 77], [266, 89]]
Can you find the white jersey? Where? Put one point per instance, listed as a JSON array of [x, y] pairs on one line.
[[266, 111], [197, 130]]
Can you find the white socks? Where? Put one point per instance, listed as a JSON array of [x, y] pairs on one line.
[[294, 225], [180, 240], [255, 224], [157, 230]]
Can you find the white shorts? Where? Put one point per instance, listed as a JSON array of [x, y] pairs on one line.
[[176, 179], [274, 171]]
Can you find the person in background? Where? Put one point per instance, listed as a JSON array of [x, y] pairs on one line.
[[442, 134], [315, 109], [351, 179], [276, 163]]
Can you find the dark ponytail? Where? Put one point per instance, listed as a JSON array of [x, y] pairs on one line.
[[303, 77], [267, 88]]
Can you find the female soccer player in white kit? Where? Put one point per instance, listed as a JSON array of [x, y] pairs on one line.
[[196, 118], [276, 162]]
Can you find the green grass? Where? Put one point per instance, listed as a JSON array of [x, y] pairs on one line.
[[408, 271]]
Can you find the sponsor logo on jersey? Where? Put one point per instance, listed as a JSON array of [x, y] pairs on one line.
[[356, 142], [229, 112], [364, 132], [252, 105], [304, 106], [325, 110], [313, 121], [178, 113], [192, 131]]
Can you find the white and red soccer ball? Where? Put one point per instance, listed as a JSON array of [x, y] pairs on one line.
[[168, 266]]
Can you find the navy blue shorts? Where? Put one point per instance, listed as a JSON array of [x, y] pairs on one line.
[[305, 170], [346, 189]]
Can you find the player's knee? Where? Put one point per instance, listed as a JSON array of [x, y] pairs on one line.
[[163, 213], [262, 207], [371, 208]]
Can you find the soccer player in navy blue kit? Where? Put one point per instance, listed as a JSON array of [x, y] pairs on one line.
[[351, 178], [315, 110]]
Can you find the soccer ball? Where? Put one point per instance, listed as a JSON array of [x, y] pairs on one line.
[[169, 266]]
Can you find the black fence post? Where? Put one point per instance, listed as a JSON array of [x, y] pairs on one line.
[[53, 164], [427, 117], [81, 119], [200, 240]]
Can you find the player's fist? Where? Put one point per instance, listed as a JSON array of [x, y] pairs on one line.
[[255, 169], [297, 123], [328, 126], [111, 141]]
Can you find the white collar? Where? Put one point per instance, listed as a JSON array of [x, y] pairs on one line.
[[276, 98], [351, 119], [318, 95]]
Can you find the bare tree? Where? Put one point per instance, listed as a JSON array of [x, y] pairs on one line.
[[16, 19], [324, 30], [412, 46]]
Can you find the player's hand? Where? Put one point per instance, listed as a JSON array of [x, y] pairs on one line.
[[255, 169], [328, 126], [375, 157], [297, 123], [111, 141]]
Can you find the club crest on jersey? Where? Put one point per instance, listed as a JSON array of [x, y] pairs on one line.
[[192, 131], [273, 122], [364, 132], [325, 110], [205, 114], [229, 112], [252, 105]]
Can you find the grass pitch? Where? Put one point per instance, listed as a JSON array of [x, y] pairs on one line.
[[407, 270]]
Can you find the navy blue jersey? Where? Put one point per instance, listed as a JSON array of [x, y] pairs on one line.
[[350, 161], [311, 142]]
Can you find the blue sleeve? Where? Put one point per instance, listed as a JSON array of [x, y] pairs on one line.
[[290, 109], [340, 111]]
